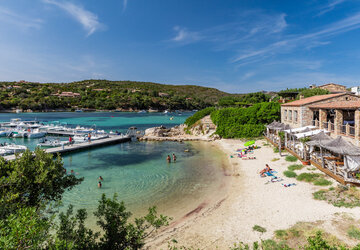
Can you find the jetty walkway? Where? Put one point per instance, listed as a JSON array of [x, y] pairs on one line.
[[82, 146]]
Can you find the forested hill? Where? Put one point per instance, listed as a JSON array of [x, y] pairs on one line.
[[104, 94]]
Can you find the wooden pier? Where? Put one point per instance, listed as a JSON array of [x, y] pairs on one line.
[[82, 146]]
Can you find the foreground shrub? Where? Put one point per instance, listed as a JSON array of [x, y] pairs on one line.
[[322, 182], [291, 158], [295, 167], [308, 177], [354, 232], [290, 174], [259, 229]]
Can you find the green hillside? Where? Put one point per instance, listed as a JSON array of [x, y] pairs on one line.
[[104, 94]]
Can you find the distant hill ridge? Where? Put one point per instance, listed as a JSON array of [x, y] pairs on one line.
[[105, 94]]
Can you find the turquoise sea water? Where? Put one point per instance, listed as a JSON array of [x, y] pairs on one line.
[[137, 171]]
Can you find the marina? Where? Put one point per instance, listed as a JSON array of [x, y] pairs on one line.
[[82, 146]]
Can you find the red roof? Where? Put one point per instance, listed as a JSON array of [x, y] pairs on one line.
[[338, 105], [311, 99]]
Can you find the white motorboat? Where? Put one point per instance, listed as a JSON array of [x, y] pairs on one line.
[[166, 112], [142, 112], [18, 133], [36, 133], [13, 148], [84, 138], [45, 143], [3, 133], [5, 152]]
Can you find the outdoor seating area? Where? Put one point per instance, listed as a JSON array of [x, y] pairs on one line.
[[337, 157]]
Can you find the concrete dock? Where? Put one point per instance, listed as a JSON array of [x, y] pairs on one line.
[[82, 146]]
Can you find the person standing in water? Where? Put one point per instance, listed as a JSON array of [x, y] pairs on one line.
[[99, 184], [174, 157], [168, 159]]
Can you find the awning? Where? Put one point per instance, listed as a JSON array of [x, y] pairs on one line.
[[300, 130], [309, 133]]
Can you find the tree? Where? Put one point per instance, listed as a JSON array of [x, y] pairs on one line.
[[32, 180], [25, 229]]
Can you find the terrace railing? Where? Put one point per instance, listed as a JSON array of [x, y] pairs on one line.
[[352, 130]]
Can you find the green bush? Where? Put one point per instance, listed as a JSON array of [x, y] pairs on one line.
[[308, 177], [276, 150], [290, 174], [198, 115], [354, 232], [320, 195], [259, 229], [322, 182], [291, 158], [245, 122], [280, 234], [295, 167]]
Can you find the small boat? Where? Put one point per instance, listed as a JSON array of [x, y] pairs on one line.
[[5, 152], [45, 143], [13, 148], [84, 138], [18, 111], [18, 133], [3, 133], [166, 112], [142, 112], [78, 110], [36, 133]]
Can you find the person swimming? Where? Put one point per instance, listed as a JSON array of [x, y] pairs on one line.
[[72, 171], [100, 178], [99, 184]]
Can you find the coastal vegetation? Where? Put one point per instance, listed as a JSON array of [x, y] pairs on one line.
[[32, 185], [243, 100], [340, 196], [305, 92], [290, 174], [106, 95], [191, 120], [291, 158], [245, 122]]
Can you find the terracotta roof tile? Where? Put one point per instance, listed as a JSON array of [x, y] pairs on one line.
[[311, 99], [338, 105]]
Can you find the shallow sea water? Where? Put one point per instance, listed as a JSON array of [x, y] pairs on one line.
[[137, 171]]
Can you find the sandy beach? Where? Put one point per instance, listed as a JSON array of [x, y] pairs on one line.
[[250, 201]]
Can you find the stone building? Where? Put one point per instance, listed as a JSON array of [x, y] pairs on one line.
[[305, 112]]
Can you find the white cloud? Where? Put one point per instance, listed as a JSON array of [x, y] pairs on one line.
[[184, 36], [314, 38], [19, 20], [229, 34], [330, 6], [125, 2], [87, 19]]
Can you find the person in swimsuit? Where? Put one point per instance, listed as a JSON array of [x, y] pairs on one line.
[[168, 158], [99, 184], [174, 157]]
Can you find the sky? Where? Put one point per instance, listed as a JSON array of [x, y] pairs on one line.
[[237, 46]]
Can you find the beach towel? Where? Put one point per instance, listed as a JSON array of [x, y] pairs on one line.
[[288, 185]]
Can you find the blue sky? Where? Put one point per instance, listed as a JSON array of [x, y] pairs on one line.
[[235, 46]]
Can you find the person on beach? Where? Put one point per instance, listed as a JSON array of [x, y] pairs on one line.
[[99, 184], [174, 157], [267, 169], [168, 158], [100, 178]]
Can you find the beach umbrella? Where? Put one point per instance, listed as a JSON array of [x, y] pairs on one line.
[[249, 143]]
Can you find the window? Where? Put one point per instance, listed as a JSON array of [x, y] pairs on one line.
[[285, 114], [290, 115], [295, 116]]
